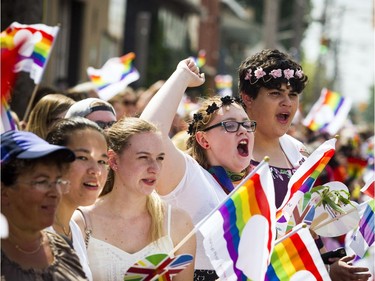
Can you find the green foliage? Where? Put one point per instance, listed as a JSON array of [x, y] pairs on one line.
[[332, 198]]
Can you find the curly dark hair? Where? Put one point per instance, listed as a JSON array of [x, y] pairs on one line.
[[269, 60]]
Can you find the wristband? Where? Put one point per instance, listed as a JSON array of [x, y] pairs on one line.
[[319, 243]]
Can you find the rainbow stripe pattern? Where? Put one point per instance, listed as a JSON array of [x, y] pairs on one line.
[[201, 59], [303, 179], [224, 231], [38, 42], [364, 236], [296, 254], [329, 113], [114, 76], [7, 122]]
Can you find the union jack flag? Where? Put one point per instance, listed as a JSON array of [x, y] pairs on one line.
[[158, 267]]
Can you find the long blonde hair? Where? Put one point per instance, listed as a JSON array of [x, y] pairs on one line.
[[46, 112], [119, 138]]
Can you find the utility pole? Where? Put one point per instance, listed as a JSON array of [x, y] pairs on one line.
[[271, 23]]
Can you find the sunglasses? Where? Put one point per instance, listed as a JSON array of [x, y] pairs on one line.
[[105, 125], [234, 126]]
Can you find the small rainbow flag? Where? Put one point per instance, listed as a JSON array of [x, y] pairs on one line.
[[296, 257], [201, 59], [114, 76], [38, 42], [224, 85], [329, 113], [303, 179], [7, 123], [364, 236], [236, 251]]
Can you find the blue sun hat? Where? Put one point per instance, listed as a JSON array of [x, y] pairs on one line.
[[26, 145]]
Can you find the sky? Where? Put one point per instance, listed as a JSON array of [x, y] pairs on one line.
[[350, 23]]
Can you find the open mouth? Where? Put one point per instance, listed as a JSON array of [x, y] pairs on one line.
[[283, 116], [91, 185], [243, 148]]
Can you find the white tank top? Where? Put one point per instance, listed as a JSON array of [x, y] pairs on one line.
[[109, 263]]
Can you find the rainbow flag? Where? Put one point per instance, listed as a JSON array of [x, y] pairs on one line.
[[329, 113], [224, 85], [201, 59], [38, 42], [356, 167], [364, 236], [296, 258], [236, 251], [114, 76], [303, 179], [7, 123]]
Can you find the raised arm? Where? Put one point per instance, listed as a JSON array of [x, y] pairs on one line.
[[161, 110]]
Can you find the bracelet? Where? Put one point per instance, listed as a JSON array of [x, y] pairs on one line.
[[328, 269], [319, 243]]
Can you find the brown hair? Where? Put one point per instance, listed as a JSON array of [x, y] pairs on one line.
[[269, 60]]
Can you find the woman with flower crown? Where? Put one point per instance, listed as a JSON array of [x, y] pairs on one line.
[[270, 83], [220, 149]]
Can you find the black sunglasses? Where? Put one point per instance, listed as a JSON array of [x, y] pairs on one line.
[[105, 125], [234, 126]]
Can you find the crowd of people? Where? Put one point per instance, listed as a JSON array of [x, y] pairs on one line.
[[90, 187]]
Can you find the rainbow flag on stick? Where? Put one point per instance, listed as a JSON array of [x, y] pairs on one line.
[[114, 76], [38, 42], [303, 179], [239, 235], [296, 257], [329, 113], [364, 236]]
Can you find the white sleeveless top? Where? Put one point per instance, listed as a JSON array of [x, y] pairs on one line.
[[109, 263], [79, 246]]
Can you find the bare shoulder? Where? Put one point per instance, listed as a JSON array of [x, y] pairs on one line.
[[80, 216], [181, 222]]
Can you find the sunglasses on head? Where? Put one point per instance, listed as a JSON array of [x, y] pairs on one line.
[[105, 125]]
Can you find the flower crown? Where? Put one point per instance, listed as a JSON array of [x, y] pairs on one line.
[[227, 100], [275, 73]]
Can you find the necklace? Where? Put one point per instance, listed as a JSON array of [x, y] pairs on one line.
[[30, 252], [66, 232]]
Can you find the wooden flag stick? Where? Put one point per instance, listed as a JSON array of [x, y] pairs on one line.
[[30, 104]]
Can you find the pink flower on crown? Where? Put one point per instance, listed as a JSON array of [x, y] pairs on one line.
[[276, 73], [248, 75], [288, 73], [299, 73], [259, 73]]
